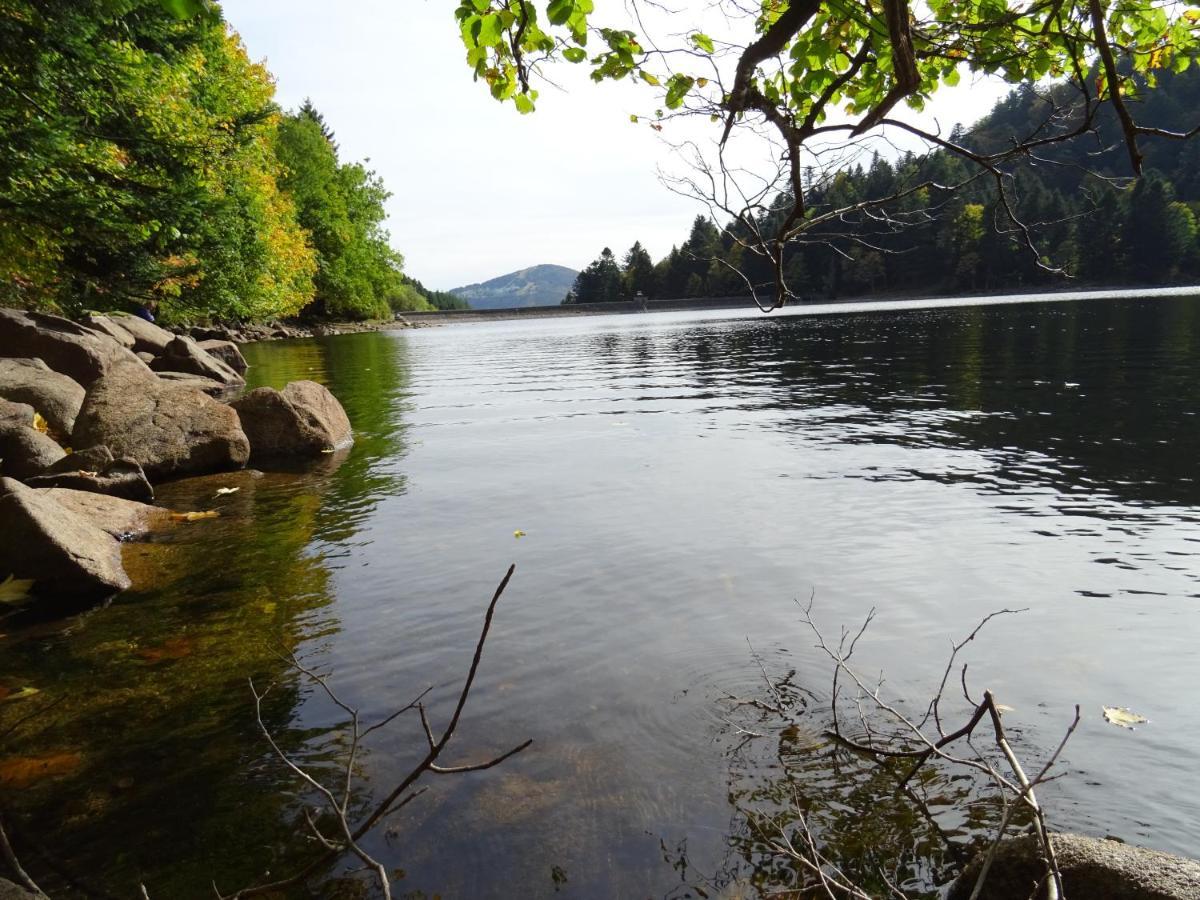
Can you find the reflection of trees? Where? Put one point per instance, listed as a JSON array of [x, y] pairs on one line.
[[167, 778], [1087, 385]]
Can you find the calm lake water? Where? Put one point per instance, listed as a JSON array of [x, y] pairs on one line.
[[681, 480]]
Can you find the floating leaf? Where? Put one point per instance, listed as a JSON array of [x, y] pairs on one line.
[[15, 590], [1123, 716], [518, 533], [193, 516], [221, 492]]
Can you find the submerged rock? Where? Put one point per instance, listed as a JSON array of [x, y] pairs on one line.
[[57, 397], [63, 552], [65, 346], [1091, 868], [169, 430], [118, 517], [303, 419], [185, 355], [25, 452]]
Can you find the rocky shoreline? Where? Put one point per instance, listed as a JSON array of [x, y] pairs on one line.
[[94, 413]]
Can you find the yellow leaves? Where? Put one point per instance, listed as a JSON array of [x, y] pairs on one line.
[[7, 694], [1123, 716], [21, 771], [518, 534], [15, 590], [194, 515], [40, 424]]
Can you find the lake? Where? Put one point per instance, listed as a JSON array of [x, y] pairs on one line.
[[681, 480]]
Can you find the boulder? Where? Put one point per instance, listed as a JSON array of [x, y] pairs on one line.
[[302, 419], [116, 516], [57, 397], [65, 346], [25, 452], [10, 891], [184, 355], [90, 459], [227, 352], [1091, 868], [105, 325], [16, 413], [147, 337], [145, 357], [200, 383], [63, 552], [117, 478], [169, 430]]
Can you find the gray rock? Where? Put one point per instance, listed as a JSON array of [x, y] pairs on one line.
[[57, 397], [105, 325], [10, 891], [64, 553], [200, 383], [25, 452], [147, 337], [185, 355], [16, 413], [1092, 869], [65, 346], [145, 357], [90, 459], [118, 478], [227, 352], [116, 516], [303, 419], [169, 430]]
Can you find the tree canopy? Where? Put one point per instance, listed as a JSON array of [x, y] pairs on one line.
[[813, 74]]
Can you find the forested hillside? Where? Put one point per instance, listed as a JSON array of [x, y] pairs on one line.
[[1103, 230], [147, 163]]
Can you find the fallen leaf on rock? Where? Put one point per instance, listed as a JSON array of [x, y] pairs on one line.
[[19, 771], [15, 590], [193, 516], [40, 424], [221, 492], [1126, 718]]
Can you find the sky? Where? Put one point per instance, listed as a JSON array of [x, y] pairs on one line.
[[479, 190]]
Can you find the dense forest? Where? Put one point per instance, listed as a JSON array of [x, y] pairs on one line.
[[1087, 219], [147, 163]]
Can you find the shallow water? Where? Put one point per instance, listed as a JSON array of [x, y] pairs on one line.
[[681, 479]]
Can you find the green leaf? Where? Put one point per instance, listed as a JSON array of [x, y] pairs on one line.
[[184, 9], [524, 104], [575, 54], [703, 42], [559, 11], [647, 77]]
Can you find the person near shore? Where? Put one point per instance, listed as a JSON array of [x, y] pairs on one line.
[[146, 310]]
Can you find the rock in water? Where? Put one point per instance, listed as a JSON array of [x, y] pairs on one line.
[[118, 517], [25, 452], [169, 430], [117, 478], [55, 396], [64, 553], [65, 346], [185, 355], [227, 352], [1092, 869], [303, 419]]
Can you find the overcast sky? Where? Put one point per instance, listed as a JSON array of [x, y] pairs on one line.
[[478, 190]]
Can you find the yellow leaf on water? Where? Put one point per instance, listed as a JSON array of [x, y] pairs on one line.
[[1123, 716], [39, 423], [193, 516], [15, 590], [518, 533], [221, 492]]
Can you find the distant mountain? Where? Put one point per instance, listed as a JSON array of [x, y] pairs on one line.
[[543, 285]]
